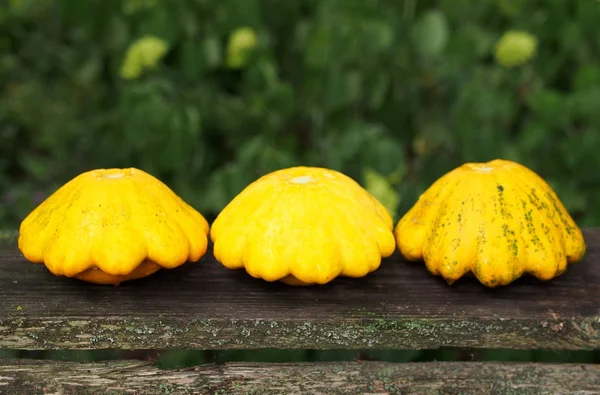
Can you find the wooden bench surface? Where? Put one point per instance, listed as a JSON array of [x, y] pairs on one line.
[[206, 306], [347, 378]]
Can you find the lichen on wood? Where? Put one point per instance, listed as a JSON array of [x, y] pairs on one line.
[[410, 333], [121, 377]]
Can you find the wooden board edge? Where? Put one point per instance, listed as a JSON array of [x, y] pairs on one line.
[[86, 333], [117, 377]]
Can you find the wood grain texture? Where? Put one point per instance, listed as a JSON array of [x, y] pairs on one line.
[[125, 377], [206, 306]]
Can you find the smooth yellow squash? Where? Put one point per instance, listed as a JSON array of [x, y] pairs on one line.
[[303, 226], [107, 226], [497, 220]]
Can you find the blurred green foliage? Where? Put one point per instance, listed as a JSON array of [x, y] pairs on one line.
[[208, 95]]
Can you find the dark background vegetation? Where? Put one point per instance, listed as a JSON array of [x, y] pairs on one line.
[[393, 93]]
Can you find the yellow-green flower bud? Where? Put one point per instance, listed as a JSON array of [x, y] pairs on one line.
[[241, 43], [143, 54], [515, 48], [381, 188]]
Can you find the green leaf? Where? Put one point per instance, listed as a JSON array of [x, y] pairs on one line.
[[343, 88], [378, 186], [431, 33], [192, 61], [212, 51], [319, 48], [117, 33], [89, 71], [549, 105], [194, 121], [379, 34], [377, 88], [587, 77], [510, 8]]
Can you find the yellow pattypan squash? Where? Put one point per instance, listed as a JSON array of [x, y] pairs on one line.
[[497, 219], [107, 226], [303, 226]]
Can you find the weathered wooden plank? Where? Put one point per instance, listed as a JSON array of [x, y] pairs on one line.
[[302, 378], [205, 306]]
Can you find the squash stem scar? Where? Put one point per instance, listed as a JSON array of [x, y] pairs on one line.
[[302, 180]]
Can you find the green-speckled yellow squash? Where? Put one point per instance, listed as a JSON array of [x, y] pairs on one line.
[[497, 219]]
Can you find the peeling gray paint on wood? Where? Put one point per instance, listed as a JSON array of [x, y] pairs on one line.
[[205, 306], [126, 377]]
